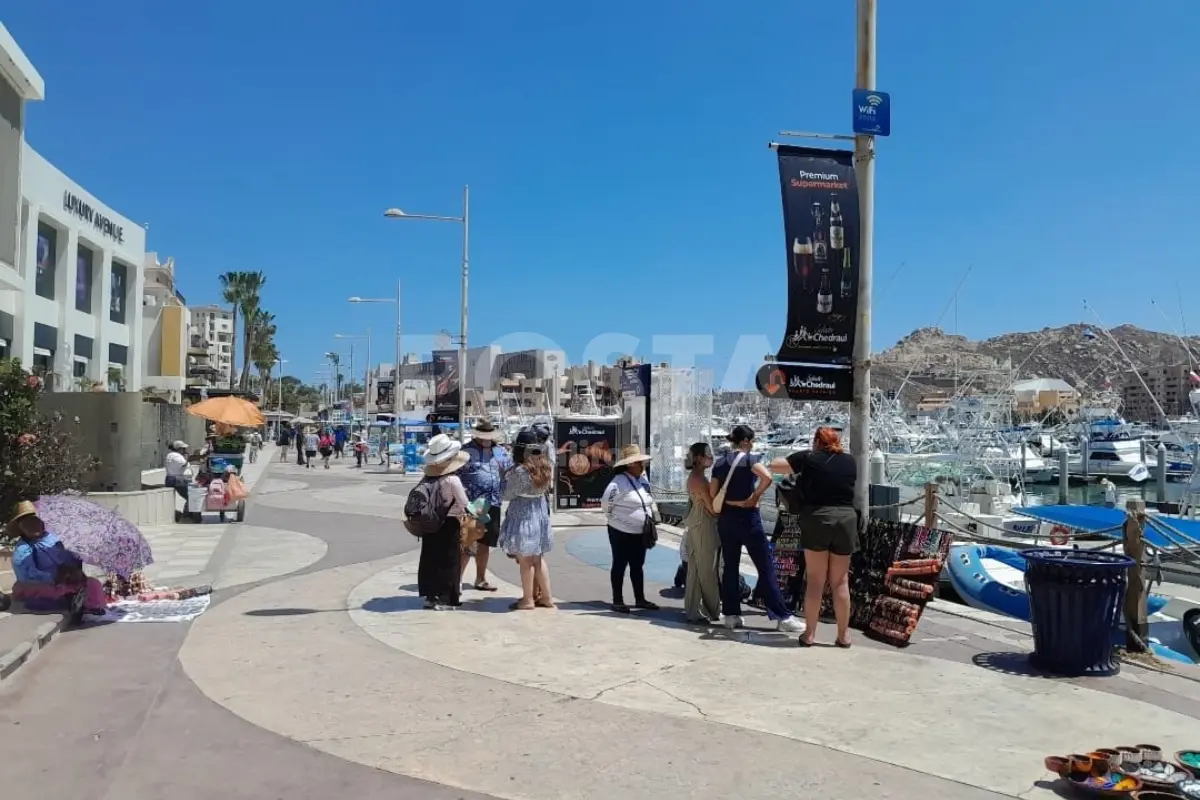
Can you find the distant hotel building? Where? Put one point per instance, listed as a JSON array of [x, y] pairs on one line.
[[1169, 386]]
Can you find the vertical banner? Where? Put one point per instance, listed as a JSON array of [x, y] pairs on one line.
[[447, 384], [586, 451], [821, 230], [635, 395]]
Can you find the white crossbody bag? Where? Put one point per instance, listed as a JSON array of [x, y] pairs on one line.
[[719, 500]]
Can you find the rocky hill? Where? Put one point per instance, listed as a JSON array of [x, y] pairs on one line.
[[1083, 355]]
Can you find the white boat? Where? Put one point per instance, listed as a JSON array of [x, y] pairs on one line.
[[1118, 458]]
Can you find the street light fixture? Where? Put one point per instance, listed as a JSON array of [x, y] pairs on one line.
[[399, 349], [366, 373], [279, 418], [465, 220]]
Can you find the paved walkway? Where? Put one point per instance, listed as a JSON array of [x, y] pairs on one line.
[[316, 674]]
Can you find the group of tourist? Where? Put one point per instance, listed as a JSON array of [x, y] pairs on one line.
[[471, 483], [723, 519], [329, 442]]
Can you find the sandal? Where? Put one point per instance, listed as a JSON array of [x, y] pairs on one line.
[[544, 604], [519, 606], [483, 586], [801, 641], [844, 645], [620, 608]]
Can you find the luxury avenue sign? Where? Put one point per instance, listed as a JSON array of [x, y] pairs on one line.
[[82, 209]]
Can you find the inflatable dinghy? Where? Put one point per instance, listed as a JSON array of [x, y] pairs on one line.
[[992, 578]]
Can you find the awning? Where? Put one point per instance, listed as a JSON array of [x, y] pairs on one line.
[[1093, 519]]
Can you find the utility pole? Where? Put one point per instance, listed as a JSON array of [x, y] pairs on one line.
[[864, 169], [462, 341]]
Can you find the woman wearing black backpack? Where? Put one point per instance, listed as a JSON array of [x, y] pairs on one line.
[[823, 499], [439, 572]]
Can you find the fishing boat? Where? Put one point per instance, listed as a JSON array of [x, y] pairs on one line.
[[992, 578]]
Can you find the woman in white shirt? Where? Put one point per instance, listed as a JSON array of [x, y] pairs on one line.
[[176, 466], [627, 503]]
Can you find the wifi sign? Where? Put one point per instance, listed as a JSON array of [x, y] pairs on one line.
[[872, 113]]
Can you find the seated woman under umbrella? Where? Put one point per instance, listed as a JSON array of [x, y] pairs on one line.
[[49, 577]]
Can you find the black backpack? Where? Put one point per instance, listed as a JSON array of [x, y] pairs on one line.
[[425, 509]]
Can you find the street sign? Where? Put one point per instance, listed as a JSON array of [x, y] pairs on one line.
[[872, 112], [805, 382]]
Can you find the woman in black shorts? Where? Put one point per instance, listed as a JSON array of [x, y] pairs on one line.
[[824, 500]]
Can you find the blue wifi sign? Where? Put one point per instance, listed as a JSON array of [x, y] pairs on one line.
[[872, 112]]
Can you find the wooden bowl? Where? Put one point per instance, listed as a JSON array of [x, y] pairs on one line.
[[1057, 764]]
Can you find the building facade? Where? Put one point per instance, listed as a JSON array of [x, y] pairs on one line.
[[166, 324], [1168, 387], [212, 332], [20, 83], [76, 303]]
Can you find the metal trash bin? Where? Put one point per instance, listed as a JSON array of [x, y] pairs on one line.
[[1075, 607]]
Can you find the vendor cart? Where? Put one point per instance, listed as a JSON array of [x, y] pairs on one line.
[[201, 501]]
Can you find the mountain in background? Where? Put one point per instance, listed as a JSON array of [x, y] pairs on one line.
[[1084, 356]]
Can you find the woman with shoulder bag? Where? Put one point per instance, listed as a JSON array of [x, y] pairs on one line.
[[824, 501], [739, 480], [630, 510]]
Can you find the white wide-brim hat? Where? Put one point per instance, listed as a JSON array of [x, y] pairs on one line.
[[444, 455]]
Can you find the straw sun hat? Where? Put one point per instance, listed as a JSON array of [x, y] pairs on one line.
[[486, 431], [444, 455], [631, 454], [23, 509]]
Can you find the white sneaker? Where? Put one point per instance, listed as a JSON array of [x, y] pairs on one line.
[[733, 623], [792, 625]]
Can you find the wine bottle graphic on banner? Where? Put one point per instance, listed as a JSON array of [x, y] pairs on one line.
[[802, 261], [847, 282], [820, 247], [837, 233], [825, 295]]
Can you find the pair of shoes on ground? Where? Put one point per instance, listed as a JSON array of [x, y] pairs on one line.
[[792, 624], [643, 605]]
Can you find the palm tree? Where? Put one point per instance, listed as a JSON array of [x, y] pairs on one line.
[[252, 316], [233, 291], [263, 351]]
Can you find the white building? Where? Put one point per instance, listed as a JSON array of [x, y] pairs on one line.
[[19, 83], [78, 293], [212, 327]]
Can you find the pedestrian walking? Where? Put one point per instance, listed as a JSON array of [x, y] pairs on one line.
[[325, 446], [627, 504], [739, 480], [256, 443], [284, 442], [360, 451], [823, 498], [312, 443], [487, 462], [339, 440], [439, 570], [526, 534], [702, 588], [301, 437]]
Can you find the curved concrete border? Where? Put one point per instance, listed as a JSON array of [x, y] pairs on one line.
[[260, 554]]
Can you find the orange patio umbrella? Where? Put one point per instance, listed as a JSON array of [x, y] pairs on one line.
[[229, 411]]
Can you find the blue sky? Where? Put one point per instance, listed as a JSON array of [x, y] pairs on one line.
[[617, 158]]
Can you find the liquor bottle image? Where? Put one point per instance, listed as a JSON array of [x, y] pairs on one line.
[[847, 282], [820, 246], [802, 261], [837, 234], [825, 295]]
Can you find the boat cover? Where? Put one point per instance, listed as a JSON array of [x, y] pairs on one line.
[[1098, 518]]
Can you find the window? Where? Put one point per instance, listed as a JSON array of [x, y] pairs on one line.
[[80, 368], [1104, 456], [118, 278], [84, 260], [47, 260]]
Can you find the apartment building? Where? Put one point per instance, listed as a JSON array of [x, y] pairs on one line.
[[166, 330], [1168, 387], [212, 333]]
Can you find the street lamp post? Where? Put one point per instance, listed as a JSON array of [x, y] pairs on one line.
[[399, 342], [367, 371], [465, 219], [279, 408]]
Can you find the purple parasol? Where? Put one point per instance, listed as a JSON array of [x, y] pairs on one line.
[[98, 536]]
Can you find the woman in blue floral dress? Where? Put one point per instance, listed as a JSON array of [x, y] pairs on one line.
[[525, 533]]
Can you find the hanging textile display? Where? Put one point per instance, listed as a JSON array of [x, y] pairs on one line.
[[788, 559], [909, 583]]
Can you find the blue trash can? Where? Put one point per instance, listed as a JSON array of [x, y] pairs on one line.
[[1075, 601]]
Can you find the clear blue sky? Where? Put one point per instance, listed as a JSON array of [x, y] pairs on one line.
[[617, 157]]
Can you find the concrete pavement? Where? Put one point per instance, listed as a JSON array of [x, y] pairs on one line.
[[316, 673]]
